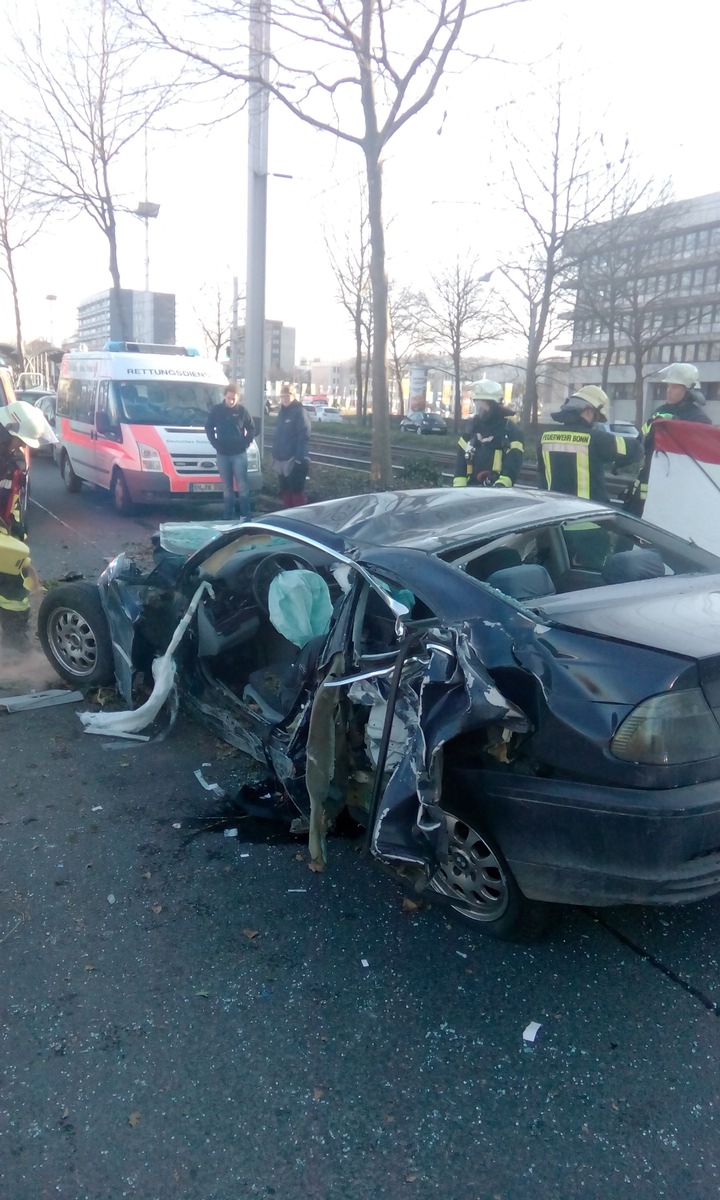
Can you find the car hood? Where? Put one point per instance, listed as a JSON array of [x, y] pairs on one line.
[[677, 615]]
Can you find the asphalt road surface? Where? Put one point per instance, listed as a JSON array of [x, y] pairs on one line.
[[197, 1016]]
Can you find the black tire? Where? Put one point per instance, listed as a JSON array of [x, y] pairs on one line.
[[74, 634], [481, 888], [122, 501], [72, 482]]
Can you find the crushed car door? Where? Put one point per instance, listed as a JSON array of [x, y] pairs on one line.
[[416, 684]]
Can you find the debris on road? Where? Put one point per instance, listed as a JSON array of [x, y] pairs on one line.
[[39, 700], [531, 1031]]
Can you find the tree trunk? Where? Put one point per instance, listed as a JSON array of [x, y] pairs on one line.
[[381, 464], [116, 305], [639, 390], [457, 380], [607, 361], [16, 304], [359, 390]]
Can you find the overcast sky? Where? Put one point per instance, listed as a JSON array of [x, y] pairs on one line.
[[636, 66]]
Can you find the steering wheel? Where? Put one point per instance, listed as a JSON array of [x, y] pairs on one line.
[[268, 569]]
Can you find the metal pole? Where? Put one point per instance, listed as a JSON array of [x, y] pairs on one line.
[[259, 11], [234, 334]]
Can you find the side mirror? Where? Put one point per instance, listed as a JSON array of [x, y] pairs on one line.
[[102, 424]]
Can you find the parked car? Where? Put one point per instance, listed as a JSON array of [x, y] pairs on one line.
[[47, 403], [310, 409], [623, 428], [327, 414], [423, 422], [518, 693]]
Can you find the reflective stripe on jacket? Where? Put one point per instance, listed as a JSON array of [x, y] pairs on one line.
[[573, 458]]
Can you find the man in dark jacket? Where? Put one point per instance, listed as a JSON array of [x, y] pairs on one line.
[[573, 460], [290, 448], [490, 449], [683, 402], [230, 431]]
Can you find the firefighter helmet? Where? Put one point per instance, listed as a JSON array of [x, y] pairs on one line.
[[27, 424], [587, 397], [488, 389], [686, 374]]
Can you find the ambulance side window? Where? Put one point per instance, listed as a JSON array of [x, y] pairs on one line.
[[80, 401], [107, 405]]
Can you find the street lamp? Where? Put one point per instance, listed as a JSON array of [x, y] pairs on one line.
[[51, 299]]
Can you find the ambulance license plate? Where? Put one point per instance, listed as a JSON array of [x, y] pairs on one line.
[[205, 487]]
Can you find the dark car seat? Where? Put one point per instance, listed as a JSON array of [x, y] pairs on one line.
[[529, 581], [631, 565]]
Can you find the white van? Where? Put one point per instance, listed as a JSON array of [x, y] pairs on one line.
[[131, 419]]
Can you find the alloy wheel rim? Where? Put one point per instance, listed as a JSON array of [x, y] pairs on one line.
[[471, 874], [73, 642]]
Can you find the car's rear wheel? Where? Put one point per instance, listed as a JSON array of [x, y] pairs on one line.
[[72, 482], [481, 888], [419, 430], [74, 634], [122, 501]]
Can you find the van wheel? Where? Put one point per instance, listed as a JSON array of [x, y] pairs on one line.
[[72, 482], [122, 503]]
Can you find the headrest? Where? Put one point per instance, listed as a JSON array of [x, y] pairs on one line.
[[529, 581], [630, 565]]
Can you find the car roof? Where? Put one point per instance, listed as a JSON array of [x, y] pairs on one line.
[[432, 519]]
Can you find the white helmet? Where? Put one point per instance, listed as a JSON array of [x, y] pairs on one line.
[[488, 389], [589, 396], [686, 374], [27, 423]]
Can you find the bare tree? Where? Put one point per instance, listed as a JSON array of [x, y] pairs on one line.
[[214, 314], [359, 70], [406, 335], [93, 100], [461, 314], [350, 260], [22, 213], [562, 179]]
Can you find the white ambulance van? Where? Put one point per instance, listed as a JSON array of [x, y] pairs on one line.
[[131, 419]]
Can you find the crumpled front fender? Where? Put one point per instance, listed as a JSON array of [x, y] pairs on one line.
[[456, 695], [122, 591]]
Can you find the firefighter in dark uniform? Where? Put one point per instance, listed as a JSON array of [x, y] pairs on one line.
[[21, 427], [683, 402], [573, 460], [490, 449]]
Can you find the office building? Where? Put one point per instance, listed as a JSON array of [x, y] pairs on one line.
[[138, 317], [650, 281]]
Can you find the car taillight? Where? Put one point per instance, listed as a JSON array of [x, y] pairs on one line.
[[676, 727]]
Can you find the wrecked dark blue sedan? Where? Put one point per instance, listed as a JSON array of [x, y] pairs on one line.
[[516, 693]]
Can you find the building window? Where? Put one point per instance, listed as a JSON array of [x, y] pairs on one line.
[[703, 352], [664, 354], [699, 277], [715, 351]]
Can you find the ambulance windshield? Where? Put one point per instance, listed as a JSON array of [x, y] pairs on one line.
[[179, 402]]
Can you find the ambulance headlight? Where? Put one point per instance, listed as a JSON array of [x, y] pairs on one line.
[[149, 458]]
